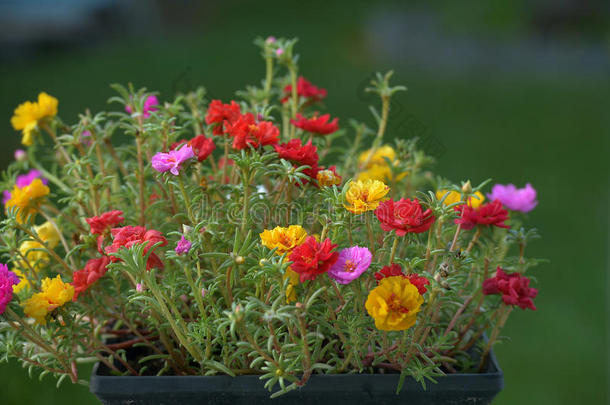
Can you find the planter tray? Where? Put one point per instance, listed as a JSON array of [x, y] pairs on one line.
[[333, 389]]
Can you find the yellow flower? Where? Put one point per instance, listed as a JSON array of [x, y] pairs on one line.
[[47, 105], [24, 283], [27, 199], [377, 158], [327, 178], [48, 233], [37, 307], [454, 197], [284, 239], [55, 293], [365, 196], [34, 252], [394, 304], [293, 280], [27, 115]]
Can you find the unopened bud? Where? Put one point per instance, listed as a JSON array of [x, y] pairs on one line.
[[20, 155], [240, 260], [467, 188], [262, 262]]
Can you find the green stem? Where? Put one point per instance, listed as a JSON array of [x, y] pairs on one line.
[[385, 111], [187, 200], [393, 251], [295, 99], [268, 76], [244, 219], [506, 310], [369, 228]]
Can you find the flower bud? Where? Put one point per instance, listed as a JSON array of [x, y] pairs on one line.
[[20, 155], [240, 260], [139, 287], [467, 188], [262, 262]]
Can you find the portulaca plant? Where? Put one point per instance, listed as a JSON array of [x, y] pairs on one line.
[[190, 236]]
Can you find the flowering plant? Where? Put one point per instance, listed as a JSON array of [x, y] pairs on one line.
[[236, 238]]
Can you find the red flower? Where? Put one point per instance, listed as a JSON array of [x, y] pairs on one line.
[[105, 221], [514, 288], [395, 270], [202, 146], [306, 90], [310, 259], [318, 125], [404, 216], [300, 155], [219, 114], [295, 152], [246, 131], [128, 236], [419, 282], [487, 214], [93, 271]]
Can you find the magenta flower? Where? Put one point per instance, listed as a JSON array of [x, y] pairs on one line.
[[150, 104], [24, 180], [183, 246], [513, 198], [7, 280], [171, 161], [352, 262]]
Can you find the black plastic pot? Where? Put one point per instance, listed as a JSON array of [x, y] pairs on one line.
[[337, 389]]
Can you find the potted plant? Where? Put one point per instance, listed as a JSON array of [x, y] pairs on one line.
[[243, 251]]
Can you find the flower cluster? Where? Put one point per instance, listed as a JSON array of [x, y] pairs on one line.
[[245, 236]]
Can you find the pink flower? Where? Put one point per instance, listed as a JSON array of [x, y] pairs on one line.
[[183, 246], [7, 280], [150, 104], [173, 160], [513, 198], [139, 287], [352, 262]]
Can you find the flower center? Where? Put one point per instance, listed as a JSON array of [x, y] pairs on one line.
[[395, 305], [350, 266]]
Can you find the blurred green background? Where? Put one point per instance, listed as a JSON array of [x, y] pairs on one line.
[[518, 91]]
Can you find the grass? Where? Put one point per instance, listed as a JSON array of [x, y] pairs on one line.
[[551, 133]]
